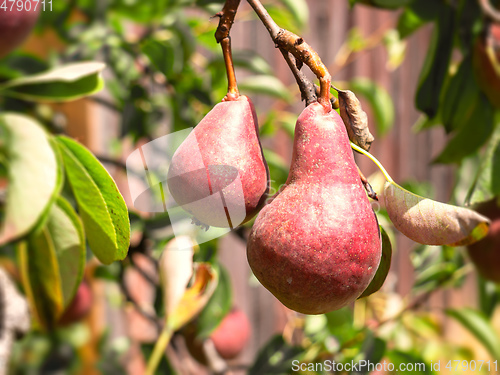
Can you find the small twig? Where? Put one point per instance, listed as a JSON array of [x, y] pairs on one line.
[[222, 36], [307, 88], [489, 10], [371, 193]]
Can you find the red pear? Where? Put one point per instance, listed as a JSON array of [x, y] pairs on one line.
[[219, 174], [16, 25], [229, 339], [485, 254], [317, 245], [79, 307]]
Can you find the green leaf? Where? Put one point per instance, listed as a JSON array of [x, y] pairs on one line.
[[41, 278], [299, 10], [100, 204], [486, 183], [68, 82], [265, 84], [162, 55], [472, 134], [383, 268], [379, 100], [480, 327], [459, 98], [275, 357], [52, 262], [217, 307], [34, 178], [417, 14], [66, 230], [432, 223], [435, 67]]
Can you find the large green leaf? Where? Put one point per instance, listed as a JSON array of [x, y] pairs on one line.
[[474, 131], [52, 262], [34, 178], [68, 82], [100, 204], [480, 327], [379, 100], [435, 67]]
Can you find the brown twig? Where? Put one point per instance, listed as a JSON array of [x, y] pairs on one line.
[[490, 10], [297, 46], [307, 88], [371, 193], [222, 36]]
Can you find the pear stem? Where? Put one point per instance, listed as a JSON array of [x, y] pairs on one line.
[[302, 51], [371, 193], [226, 21], [374, 159]]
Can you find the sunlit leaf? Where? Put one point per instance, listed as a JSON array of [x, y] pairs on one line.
[[100, 204], [195, 298], [34, 178], [480, 327], [68, 82], [383, 268], [432, 223]]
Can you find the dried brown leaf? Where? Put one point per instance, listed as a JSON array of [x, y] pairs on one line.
[[432, 223], [355, 119]]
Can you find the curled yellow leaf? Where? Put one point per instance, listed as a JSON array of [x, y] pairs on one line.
[[433, 223]]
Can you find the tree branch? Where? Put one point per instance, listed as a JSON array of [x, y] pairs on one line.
[[302, 51]]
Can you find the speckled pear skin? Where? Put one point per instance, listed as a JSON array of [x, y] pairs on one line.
[[317, 245], [221, 162]]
